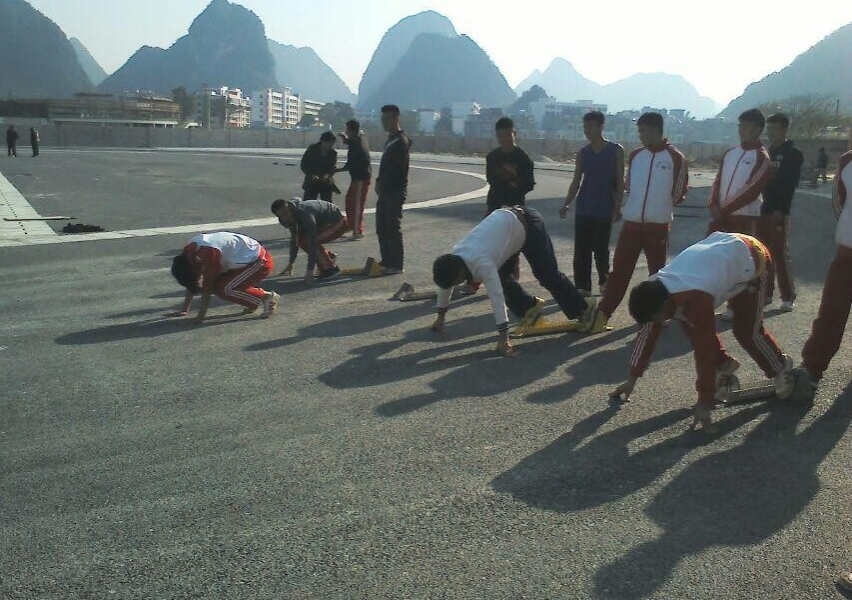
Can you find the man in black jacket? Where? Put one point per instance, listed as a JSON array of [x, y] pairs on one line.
[[361, 172], [319, 163], [392, 188], [312, 223], [773, 226], [11, 141], [509, 169]]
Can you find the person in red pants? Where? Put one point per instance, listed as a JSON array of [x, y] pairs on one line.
[[360, 170], [785, 166], [657, 180], [312, 223], [228, 265], [723, 267]]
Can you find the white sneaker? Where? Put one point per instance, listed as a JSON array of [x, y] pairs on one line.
[[270, 305], [785, 381], [726, 381], [787, 306]]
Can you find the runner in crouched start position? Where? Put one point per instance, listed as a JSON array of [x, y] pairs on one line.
[[312, 223], [228, 265], [723, 267], [489, 253]]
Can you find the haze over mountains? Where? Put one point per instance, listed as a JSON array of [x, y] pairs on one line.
[[422, 61]]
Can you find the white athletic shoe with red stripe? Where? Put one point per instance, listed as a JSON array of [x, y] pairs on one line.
[[270, 305]]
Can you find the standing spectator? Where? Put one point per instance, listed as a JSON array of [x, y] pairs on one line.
[[821, 167], [12, 141], [598, 186], [785, 166], [319, 163], [34, 140], [360, 170], [392, 188], [509, 169]]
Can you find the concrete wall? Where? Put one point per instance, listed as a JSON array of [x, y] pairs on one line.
[[129, 137]]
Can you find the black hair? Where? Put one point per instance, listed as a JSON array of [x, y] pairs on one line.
[[277, 204], [353, 125], [185, 273], [390, 108], [779, 118], [445, 270], [755, 117], [327, 136], [651, 119], [646, 300], [596, 116], [504, 123]]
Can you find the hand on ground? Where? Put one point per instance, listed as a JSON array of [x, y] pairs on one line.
[[623, 391]]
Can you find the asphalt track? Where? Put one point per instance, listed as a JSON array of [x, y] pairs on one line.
[[342, 451]]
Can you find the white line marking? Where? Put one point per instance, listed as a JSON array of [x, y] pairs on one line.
[[14, 206], [51, 237]]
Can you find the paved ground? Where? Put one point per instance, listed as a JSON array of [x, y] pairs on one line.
[[341, 451]]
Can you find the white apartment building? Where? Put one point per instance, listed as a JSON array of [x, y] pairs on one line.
[[267, 109], [223, 107]]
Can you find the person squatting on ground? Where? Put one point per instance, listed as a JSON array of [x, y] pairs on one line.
[[657, 180], [312, 223], [830, 324], [723, 267], [319, 164], [228, 265], [508, 169], [598, 186], [361, 172], [489, 254], [392, 189]]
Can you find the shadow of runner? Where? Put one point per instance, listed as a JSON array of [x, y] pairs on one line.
[[738, 497], [150, 328]]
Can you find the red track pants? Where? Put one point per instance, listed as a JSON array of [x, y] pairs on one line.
[[238, 285], [356, 199]]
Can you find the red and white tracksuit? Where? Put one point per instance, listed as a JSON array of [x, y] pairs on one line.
[[743, 173], [830, 324], [723, 267], [356, 199], [231, 266], [657, 180]]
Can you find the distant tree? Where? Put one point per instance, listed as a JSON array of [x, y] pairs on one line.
[[307, 121], [186, 101], [810, 115], [535, 94], [335, 115], [444, 126]]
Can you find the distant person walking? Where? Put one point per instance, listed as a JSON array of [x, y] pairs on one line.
[[508, 169], [785, 167], [361, 171], [821, 167], [598, 187], [319, 163], [392, 189], [11, 141], [35, 140]]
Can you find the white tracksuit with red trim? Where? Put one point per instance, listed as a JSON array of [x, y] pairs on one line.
[[657, 180], [830, 324], [743, 173], [231, 266], [723, 267]]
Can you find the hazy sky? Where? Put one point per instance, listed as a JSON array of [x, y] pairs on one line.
[[720, 46]]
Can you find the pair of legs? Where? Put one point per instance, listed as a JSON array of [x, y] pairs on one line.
[[240, 285], [323, 194], [389, 228], [11, 151], [538, 250], [324, 236], [829, 326], [775, 236], [356, 199], [635, 238], [35, 150], [591, 239]]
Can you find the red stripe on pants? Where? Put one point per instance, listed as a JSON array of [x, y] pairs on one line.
[[356, 199], [829, 326], [747, 307], [635, 238], [776, 239], [325, 235], [238, 285]]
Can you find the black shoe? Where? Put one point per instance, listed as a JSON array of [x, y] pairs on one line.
[[329, 273]]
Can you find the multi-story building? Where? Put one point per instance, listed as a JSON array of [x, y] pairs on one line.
[[267, 109], [461, 111], [310, 107], [562, 120], [130, 110], [429, 118], [292, 108], [481, 125], [223, 107]]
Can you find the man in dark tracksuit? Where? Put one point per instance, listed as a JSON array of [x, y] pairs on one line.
[[11, 141], [312, 223], [392, 188], [508, 169], [319, 163], [773, 226], [361, 172]]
